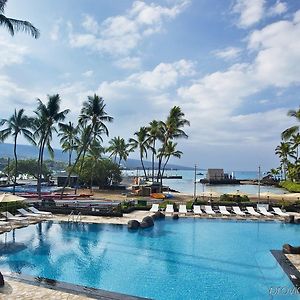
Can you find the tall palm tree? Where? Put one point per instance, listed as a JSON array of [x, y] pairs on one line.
[[69, 138], [14, 25], [284, 151], [47, 116], [17, 124], [118, 148], [155, 133], [168, 152], [172, 129], [294, 129], [141, 143], [295, 141], [92, 118]]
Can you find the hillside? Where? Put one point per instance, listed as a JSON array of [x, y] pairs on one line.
[[28, 151]]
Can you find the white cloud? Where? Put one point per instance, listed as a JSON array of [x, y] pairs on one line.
[[250, 12], [278, 8], [228, 53], [88, 73], [129, 63], [11, 53], [55, 30], [119, 35]]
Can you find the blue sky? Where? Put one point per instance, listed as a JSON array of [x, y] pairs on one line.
[[232, 65]]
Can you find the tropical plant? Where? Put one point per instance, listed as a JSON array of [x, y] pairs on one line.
[[69, 139], [47, 116], [92, 121], [17, 124], [286, 134], [14, 25], [295, 141], [118, 148], [284, 151], [141, 143]]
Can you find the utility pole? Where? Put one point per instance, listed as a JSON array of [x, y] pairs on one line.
[[258, 184], [195, 182]]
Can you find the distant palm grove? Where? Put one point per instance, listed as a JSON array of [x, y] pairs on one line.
[[84, 139], [288, 151]]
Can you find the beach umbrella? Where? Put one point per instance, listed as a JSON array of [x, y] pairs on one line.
[[6, 198]]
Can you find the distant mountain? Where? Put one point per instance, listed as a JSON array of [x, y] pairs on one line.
[[28, 151]]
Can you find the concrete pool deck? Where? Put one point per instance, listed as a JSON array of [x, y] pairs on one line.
[[21, 289]]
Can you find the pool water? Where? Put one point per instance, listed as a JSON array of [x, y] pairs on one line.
[[176, 259]]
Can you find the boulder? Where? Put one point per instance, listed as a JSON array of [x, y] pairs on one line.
[[290, 219], [175, 217], [288, 249], [158, 215], [147, 222], [1, 280], [133, 224]]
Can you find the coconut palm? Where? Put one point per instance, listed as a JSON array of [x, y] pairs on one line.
[[14, 25], [47, 116], [141, 143], [295, 141], [284, 151], [155, 133], [294, 129], [118, 148], [17, 124], [92, 120], [69, 138]]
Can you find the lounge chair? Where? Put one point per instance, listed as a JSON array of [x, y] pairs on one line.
[[182, 209], [197, 210], [25, 213], [223, 210], [208, 209], [154, 208], [237, 211], [36, 211], [13, 218], [170, 208], [263, 211], [252, 212], [279, 212]]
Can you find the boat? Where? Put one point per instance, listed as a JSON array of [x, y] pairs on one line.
[[158, 195]]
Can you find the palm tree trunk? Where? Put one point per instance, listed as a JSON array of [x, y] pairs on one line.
[[119, 161], [70, 158], [16, 164], [141, 158], [164, 167], [153, 152]]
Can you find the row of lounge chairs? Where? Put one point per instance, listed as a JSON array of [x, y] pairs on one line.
[[223, 210], [24, 217]]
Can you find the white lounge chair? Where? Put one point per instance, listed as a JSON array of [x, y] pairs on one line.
[[197, 210], [279, 212], [170, 208], [154, 208], [223, 210], [13, 218], [208, 209], [252, 212], [36, 211], [263, 211], [237, 211], [25, 213], [182, 209]]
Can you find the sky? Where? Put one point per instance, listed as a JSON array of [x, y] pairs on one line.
[[233, 66]]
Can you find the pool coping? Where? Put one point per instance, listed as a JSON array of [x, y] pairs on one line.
[[288, 267], [69, 288]]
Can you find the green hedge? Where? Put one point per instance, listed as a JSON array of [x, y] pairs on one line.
[[293, 187], [234, 198]]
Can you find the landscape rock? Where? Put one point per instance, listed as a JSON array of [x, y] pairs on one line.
[[133, 224], [147, 222], [288, 249], [290, 219], [158, 215], [1, 280]]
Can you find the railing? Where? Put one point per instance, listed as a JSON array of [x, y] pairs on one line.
[[74, 218], [78, 217], [71, 216]]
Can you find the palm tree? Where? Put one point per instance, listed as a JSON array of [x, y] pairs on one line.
[[155, 133], [14, 25], [69, 139], [141, 143], [168, 152], [92, 120], [294, 129], [172, 129], [284, 151], [17, 124], [48, 115], [295, 141], [118, 148]]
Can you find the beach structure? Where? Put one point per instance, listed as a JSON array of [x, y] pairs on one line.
[[217, 176]]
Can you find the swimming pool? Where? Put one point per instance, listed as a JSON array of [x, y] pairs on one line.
[[184, 259]]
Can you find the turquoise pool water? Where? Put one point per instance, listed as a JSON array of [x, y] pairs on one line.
[[183, 259]]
